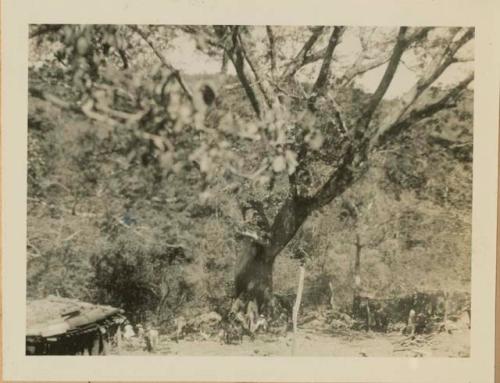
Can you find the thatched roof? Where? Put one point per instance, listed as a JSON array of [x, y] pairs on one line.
[[54, 316]]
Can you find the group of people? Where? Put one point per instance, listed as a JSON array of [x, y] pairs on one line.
[[247, 318], [148, 334], [247, 314]]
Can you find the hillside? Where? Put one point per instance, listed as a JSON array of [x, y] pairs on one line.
[[82, 210]]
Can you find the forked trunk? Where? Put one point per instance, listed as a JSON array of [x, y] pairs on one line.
[[254, 267]]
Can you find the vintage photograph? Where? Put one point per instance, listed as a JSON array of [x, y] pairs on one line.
[[249, 190]]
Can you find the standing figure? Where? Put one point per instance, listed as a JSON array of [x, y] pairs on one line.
[[128, 331], [181, 323], [238, 312], [410, 328], [151, 338], [140, 331], [252, 314]]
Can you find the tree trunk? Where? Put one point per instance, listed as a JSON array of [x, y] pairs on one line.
[[224, 65], [254, 268], [254, 272]]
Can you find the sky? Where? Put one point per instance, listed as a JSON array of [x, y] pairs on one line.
[[185, 57]]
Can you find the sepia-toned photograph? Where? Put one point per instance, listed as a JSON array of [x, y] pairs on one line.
[[249, 190]]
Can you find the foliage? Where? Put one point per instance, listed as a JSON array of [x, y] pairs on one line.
[[142, 178]]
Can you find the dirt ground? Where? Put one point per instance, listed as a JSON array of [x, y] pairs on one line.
[[315, 343]]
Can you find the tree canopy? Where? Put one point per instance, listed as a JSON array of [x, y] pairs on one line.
[[137, 163]]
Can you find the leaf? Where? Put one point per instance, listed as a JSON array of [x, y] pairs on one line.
[[205, 196], [178, 167], [167, 160], [158, 141], [279, 164], [82, 46], [205, 163], [315, 140], [291, 160], [250, 131], [264, 180]]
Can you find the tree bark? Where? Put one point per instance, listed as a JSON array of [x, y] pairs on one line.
[[238, 60], [301, 57], [376, 98], [254, 268], [324, 72], [272, 49], [254, 272], [224, 65], [255, 264]]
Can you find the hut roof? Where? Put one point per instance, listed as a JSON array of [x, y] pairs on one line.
[[54, 315]]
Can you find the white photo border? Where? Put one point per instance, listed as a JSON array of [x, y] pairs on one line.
[[18, 14]]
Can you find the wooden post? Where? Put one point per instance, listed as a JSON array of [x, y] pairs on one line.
[[357, 278], [296, 306], [104, 344], [96, 343], [332, 295], [445, 319], [118, 339]]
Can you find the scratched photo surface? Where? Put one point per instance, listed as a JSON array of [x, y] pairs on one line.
[[249, 190]]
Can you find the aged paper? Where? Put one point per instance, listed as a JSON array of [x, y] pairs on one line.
[[475, 366]]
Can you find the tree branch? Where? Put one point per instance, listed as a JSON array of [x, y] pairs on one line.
[[272, 49], [397, 52], [260, 77], [345, 173], [223, 68], [423, 112], [164, 61], [44, 29], [123, 56], [236, 57], [403, 41], [435, 70], [41, 94], [360, 69], [324, 71], [288, 220], [301, 58], [295, 210], [338, 182], [109, 116]]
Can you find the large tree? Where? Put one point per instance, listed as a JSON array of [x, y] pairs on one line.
[[307, 132]]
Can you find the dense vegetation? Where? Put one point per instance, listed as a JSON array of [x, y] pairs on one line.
[[149, 189]]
